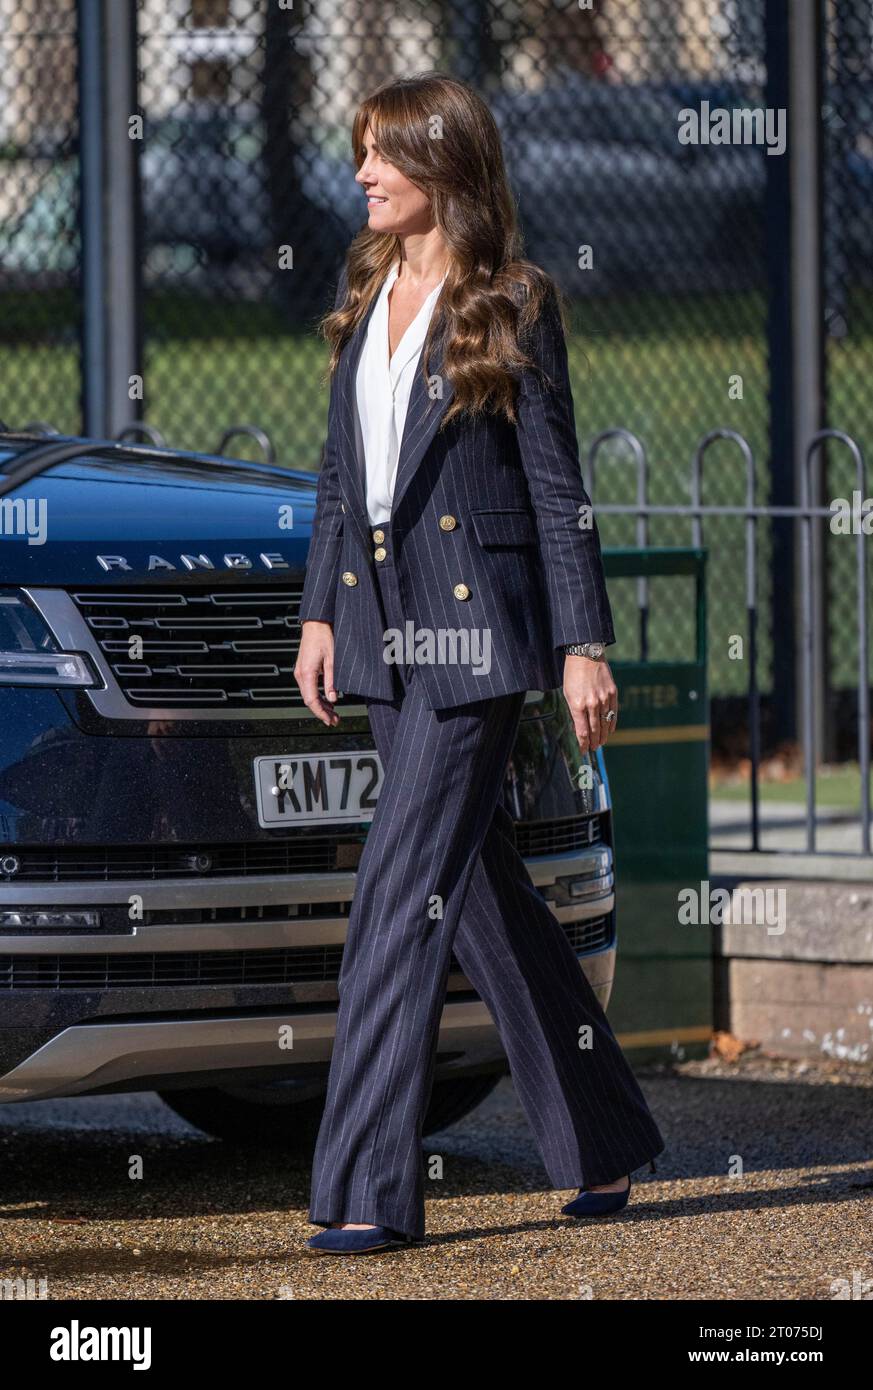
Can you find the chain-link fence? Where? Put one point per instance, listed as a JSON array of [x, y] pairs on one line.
[[653, 222], [847, 235], [249, 203], [40, 308]]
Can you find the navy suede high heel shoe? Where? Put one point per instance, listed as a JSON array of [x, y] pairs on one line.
[[597, 1203], [334, 1241], [601, 1203]]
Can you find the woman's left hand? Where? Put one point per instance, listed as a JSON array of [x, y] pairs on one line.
[[590, 693]]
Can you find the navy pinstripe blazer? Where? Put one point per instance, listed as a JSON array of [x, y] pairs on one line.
[[515, 565]]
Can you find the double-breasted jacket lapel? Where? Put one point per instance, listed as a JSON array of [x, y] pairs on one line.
[[426, 408]]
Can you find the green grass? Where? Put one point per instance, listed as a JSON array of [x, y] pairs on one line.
[[834, 786]]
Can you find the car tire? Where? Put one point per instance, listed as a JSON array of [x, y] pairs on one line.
[[267, 1114], [261, 1115]]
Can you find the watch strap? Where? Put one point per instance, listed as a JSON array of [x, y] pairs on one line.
[[583, 649]]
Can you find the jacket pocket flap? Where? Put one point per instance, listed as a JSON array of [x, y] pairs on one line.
[[505, 526]]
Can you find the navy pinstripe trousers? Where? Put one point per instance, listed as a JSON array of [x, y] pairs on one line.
[[439, 828]]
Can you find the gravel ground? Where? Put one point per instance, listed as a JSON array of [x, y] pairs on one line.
[[209, 1222]]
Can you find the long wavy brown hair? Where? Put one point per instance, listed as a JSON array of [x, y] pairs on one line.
[[491, 295]]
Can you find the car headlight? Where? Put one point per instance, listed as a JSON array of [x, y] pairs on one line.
[[29, 654]]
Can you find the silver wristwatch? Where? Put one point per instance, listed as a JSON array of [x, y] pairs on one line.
[[593, 649]]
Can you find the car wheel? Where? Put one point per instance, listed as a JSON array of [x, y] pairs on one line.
[[259, 1114], [272, 1113]]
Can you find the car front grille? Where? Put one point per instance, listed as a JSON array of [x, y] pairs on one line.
[[326, 851], [533, 837], [330, 849], [175, 969], [204, 648]]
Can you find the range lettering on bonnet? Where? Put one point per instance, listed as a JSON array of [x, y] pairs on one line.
[[233, 560]]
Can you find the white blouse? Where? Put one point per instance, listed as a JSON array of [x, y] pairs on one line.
[[382, 391]]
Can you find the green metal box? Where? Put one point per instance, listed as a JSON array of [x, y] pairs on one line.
[[657, 762]]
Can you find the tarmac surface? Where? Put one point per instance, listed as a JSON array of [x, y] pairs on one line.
[[763, 1192]]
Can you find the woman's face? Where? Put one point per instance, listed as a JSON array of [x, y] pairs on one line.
[[393, 202]]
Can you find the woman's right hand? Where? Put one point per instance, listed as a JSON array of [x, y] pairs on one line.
[[314, 657]]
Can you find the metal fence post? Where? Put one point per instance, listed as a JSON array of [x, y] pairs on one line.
[[782, 485], [108, 215], [807, 315]]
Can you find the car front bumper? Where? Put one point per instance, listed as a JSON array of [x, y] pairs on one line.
[[71, 1029]]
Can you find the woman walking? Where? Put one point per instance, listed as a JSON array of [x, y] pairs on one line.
[[451, 513]]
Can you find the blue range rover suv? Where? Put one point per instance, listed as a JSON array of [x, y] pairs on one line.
[[178, 834]]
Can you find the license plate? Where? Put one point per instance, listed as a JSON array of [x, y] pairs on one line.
[[326, 787]]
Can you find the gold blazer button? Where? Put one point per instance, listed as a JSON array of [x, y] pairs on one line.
[[378, 537], [461, 591], [380, 553], [448, 523], [350, 578]]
